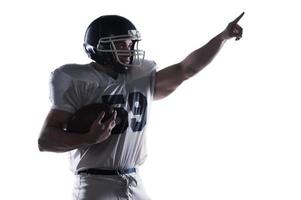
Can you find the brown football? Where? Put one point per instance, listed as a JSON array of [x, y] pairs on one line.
[[82, 119]]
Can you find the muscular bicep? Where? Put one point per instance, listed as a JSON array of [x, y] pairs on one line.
[[55, 119], [167, 80]]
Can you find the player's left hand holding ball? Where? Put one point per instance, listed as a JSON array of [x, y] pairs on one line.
[[95, 121], [101, 129]]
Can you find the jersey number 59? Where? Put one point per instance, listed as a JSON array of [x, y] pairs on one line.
[[138, 106]]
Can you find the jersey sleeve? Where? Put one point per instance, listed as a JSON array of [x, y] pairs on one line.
[[148, 76], [63, 93], [153, 78]]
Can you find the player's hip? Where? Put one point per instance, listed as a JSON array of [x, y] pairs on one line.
[[108, 187]]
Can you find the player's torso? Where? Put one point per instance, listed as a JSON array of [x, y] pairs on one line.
[[130, 96]]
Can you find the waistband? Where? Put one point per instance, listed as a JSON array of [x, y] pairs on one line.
[[107, 172]]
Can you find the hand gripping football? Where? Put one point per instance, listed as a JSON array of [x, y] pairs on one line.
[[82, 119]]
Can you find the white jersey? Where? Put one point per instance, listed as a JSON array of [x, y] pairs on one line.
[[74, 86]]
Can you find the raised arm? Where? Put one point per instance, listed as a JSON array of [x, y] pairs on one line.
[[168, 79]]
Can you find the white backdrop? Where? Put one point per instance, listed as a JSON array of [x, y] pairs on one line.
[[231, 132]]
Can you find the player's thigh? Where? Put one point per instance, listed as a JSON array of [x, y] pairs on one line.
[[138, 191]]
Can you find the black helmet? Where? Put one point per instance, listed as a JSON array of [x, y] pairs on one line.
[[100, 39]]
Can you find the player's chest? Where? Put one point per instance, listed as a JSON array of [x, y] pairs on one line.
[[130, 100]]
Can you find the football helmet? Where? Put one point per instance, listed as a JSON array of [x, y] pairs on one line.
[[100, 42]]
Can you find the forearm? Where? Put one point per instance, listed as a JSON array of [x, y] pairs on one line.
[[56, 140], [201, 57], [168, 79]]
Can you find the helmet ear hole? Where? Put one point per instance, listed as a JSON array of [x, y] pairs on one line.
[[85, 48], [89, 49]]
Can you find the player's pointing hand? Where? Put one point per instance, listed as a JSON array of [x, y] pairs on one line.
[[233, 29]]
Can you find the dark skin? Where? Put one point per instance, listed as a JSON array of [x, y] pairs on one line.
[[168, 79], [54, 139]]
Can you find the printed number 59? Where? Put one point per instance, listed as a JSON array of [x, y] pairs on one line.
[[138, 106]]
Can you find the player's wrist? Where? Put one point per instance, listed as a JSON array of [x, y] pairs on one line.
[[89, 138], [224, 35]]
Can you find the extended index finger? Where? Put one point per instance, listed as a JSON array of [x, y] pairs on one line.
[[238, 18]]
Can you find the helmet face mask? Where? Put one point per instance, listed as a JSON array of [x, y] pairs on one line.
[[102, 37], [136, 55]]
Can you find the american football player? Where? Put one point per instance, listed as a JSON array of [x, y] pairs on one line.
[[106, 158]]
